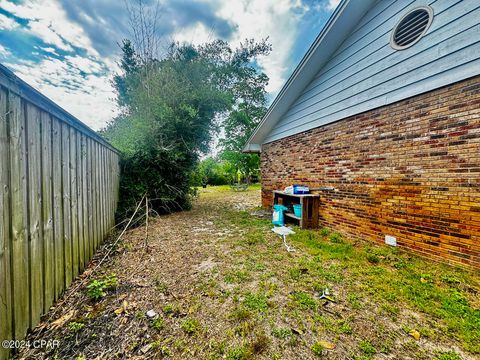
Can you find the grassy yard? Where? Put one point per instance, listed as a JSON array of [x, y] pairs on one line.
[[223, 286]]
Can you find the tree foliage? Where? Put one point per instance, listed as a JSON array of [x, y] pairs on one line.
[[171, 109], [249, 109], [212, 171]]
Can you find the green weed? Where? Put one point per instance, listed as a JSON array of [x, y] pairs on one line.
[[190, 326], [447, 355], [324, 232], [282, 333], [157, 324], [366, 347], [239, 353], [75, 327], [96, 289], [240, 314], [305, 300], [335, 238], [317, 349], [257, 302]]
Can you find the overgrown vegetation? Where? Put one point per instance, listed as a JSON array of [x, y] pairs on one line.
[[172, 106]]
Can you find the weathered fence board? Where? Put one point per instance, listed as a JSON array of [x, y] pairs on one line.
[[80, 212], [49, 253], [94, 194], [89, 198], [59, 242], [35, 247], [5, 275], [73, 200], [58, 194], [19, 215], [67, 210]]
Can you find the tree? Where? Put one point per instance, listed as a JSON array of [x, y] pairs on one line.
[[250, 107], [211, 171], [129, 65], [173, 106]]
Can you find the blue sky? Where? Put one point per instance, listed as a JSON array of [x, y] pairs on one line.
[[68, 49]]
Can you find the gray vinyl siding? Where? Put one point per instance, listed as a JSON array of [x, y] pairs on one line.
[[365, 72]]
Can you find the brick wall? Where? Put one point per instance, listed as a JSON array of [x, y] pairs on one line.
[[410, 169]]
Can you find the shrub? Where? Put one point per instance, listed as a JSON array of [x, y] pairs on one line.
[[171, 109]]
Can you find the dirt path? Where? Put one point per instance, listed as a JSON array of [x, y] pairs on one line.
[[221, 285]]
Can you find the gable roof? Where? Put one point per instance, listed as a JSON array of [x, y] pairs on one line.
[[346, 16]]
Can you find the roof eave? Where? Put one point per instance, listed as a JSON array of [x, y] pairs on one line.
[[337, 28], [252, 148]]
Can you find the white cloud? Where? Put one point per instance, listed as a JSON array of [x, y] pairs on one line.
[[49, 21], [276, 19], [4, 51], [85, 64], [88, 98], [332, 4], [6, 23], [196, 34], [50, 50], [46, 32]]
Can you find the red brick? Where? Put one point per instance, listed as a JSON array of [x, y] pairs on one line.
[[396, 171]]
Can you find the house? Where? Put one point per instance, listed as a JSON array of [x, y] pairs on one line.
[[383, 113]]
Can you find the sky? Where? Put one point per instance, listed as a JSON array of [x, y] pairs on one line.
[[68, 49]]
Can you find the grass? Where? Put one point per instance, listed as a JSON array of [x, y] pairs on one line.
[[260, 301], [304, 300], [393, 278], [157, 324], [389, 278], [317, 349], [366, 347], [75, 327], [256, 302], [282, 333]]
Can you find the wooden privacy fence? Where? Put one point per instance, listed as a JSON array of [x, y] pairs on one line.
[[58, 195]]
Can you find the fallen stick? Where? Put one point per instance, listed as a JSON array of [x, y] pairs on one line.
[[146, 224]]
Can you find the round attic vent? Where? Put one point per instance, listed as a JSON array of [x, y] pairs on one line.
[[411, 27]]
